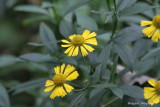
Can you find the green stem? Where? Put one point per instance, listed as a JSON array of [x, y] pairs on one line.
[[88, 65], [111, 101], [114, 69]]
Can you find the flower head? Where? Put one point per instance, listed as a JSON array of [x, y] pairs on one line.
[[153, 31], [58, 84], [152, 94], [80, 42]]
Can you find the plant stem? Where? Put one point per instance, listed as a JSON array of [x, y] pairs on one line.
[[88, 65], [114, 69], [111, 101]]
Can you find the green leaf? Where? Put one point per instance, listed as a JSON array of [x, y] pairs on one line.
[[126, 3], [47, 36], [4, 99], [133, 91], [31, 8], [86, 22], [68, 60], [66, 28], [7, 60], [78, 99], [95, 92], [37, 57], [77, 5], [103, 58], [117, 91], [27, 86], [104, 85], [152, 53], [135, 9], [124, 54]]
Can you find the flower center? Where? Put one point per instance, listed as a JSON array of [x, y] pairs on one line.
[[157, 87], [156, 20], [59, 79], [78, 40]]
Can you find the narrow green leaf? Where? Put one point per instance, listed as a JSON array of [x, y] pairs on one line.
[[133, 91], [135, 9], [66, 28], [4, 99], [117, 91], [78, 99], [126, 3], [27, 86], [103, 58], [68, 60], [152, 53], [124, 54], [104, 85], [47, 36], [86, 22], [37, 57], [77, 5], [31, 8], [7, 60], [95, 92]]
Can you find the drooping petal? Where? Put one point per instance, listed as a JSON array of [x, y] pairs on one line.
[[149, 92], [92, 41], [156, 35], [62, 68], [146, 23], [58, 91], [91, 35], [54, 93], [67, 51], [75, 52], [85, 33], [89, 48], [49, 83], [65, 41], [152, 82], [71, 51], [49, 89], [72, 76], [68, 70], [57, 69], [83, 51], [68, 88], [149, 31]]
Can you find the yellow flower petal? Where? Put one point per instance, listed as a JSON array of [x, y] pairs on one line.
[[145, 23], [54, 93], [49, 89], [49, 83], [91, 35], [58, 91], [149, 92], [156, 36], [92, 41], [72, 36], [75, 52], [68, 88], [153, 100], [86, 33], [65, 41], [83, 51], [71, 51], [72, 76], [62, 68], [67, 51], [66, 45], [149, 31], [152, 82], [89, 48], [57, 69], [68, 70]]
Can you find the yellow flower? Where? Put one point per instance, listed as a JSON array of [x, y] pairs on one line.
[[80, 42], [152, 94], [153, 31], [58, 84]]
